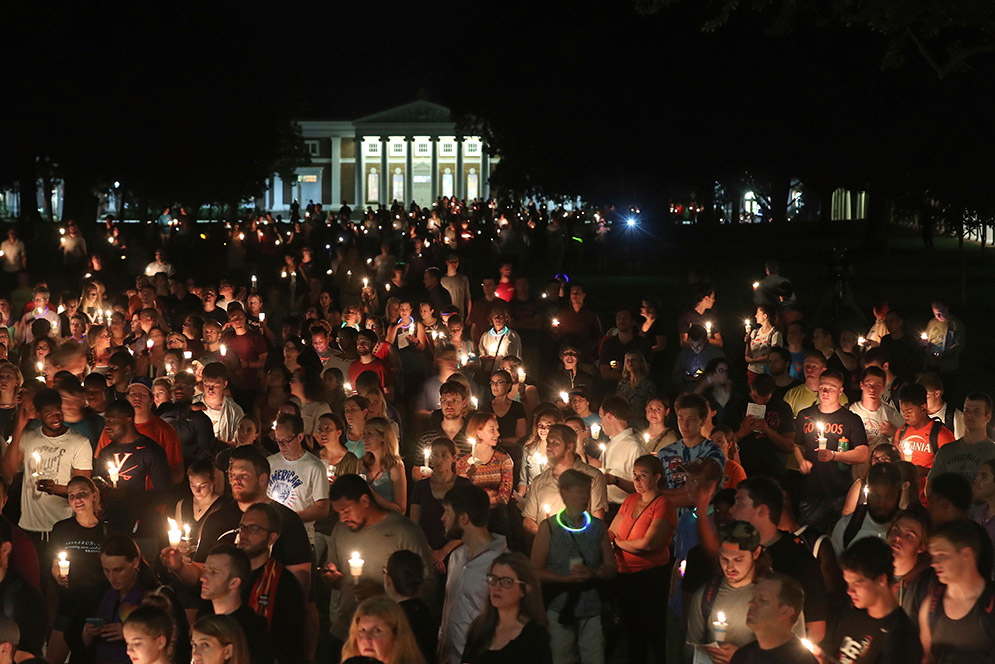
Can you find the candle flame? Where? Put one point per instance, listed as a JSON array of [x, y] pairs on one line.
[[721, 616]]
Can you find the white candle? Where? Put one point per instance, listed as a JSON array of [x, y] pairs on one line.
[[366, 282], [682, 566], [746, 324], [356, 565], [187, 354], [546, 509], [347, 387], [463, 359], [224, 350], [63, 564], [521, 375], [720, 627], [708, 327], [646, 437], [861, 341], [595, 430], [149, 343], [822, 438], [112, 473], [556, 322], [907, 451], [924, 336], [36, 457], [756, 285], [474, 402], [426, 469], [565, 397], [174, 534], [808, 645], [262, 317]]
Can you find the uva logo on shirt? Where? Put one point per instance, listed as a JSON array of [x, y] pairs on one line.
[[851, 650], [121, 458], [283, 486], [917, 443]]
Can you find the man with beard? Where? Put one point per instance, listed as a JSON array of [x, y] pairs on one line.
[[465, 517], [367, 529], [874, 518], [270, 591]]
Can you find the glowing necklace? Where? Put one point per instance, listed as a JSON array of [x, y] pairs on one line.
[[559, 520]]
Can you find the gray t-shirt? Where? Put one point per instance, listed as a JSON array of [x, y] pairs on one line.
[[374, 544], [734, 602], [962, 458]]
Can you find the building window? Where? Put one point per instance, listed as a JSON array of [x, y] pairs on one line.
[[372, 148], [307, 178], [397, 185], [448, 147], [373, 186], [472, 184], [312, 148], [397, 148], [473, 148], [423, 148], [447, 183]]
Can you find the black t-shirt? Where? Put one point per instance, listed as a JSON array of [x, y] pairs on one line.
[[531, 645], [287, 627], [292, 548], [790, 652], [688, 319], [828, 479], [430, 518], [143, 464], [507, 423], [757, 453], [256, 633], [612, 348], [22, 602], [790, 556], [83, 548], [424, 625], [861, 639]]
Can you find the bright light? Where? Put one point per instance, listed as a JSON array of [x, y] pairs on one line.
[[630, 221]]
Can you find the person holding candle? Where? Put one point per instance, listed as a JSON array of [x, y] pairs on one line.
[[499, 341], [828, 469], [759, 342], [426, 504], [408, 336], [692, 409], [489, 468], [657, 434], [50, 456], [512, 627], [510, 413], [921, 435], [704, 300], [572, 555], [616, 344], [884, 453], [534, 449], [356, 410], [562, 455], [374, 533], [568, 376], [875, 516], [774, 609], [728, 593], [692, 359], [331, 450], [204, 499]]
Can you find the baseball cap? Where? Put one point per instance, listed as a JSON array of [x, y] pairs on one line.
[[143, 381]]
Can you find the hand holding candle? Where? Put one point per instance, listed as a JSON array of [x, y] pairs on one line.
[[112, 473], [822, 437], [174, 534], [63, 564], [907, 451], [720, 627]]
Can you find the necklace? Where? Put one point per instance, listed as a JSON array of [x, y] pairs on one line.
[[587, 522]]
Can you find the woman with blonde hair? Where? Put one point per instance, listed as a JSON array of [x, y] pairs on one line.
[[380, 630], [534, 450], [218, 640], [97, 347], [383, 465], [91, 303], [636, 387]]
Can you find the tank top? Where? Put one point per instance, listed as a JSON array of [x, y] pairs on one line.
[[972, 638], [565, 546]]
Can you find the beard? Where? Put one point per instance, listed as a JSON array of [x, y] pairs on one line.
[[454, 532]]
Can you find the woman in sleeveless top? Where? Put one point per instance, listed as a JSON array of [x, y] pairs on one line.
[[383, 465]]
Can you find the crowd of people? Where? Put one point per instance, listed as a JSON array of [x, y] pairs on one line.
[[342, 450]]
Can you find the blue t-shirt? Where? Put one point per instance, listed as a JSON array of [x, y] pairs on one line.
[[797, 365], [676, 455]]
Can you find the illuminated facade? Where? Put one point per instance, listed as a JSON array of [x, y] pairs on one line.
[[408, 153]]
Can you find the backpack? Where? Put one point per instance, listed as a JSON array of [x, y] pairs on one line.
[[852, 528], [934, 433]]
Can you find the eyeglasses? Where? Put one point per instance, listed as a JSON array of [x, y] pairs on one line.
[[505, 581], [500, 382], [285, 441], [252, 529]]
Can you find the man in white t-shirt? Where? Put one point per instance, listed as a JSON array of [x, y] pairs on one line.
[[620, 454], [14, 257], [222, 410], [297, 479], [938, 409], [458, 285], [50, 456], [881, 420]]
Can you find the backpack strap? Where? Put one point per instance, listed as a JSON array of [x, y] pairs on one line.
[[902, 432], [709, 596], [934, 604], [853, 527], [934, 435]]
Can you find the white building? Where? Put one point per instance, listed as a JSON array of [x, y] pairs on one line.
[[411, 152]]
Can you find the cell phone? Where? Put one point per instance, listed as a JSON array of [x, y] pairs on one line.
[[95, 622]]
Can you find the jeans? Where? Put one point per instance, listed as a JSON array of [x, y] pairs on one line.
[[583, 642]]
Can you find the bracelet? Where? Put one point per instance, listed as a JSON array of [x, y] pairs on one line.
[[834, 455]]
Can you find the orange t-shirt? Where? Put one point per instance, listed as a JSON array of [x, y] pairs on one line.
[[918, 440], [158, 430], [733, 475], [636, 525]]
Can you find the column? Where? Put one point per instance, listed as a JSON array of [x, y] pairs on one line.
[[485, 172], [409, 176], [277, 182], [358, 205], [384, 176], [336, 173], [435, 169], [460, 178]]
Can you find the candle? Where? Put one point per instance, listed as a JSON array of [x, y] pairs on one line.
[[565, 397], [254, 280], [538, 459], [187, 354], [720, 627], [808, 645], [386, 288], [822, 437], [646, 437], [474, 402], [174, 534], [521, 375], [708, 327], [356, 565], [866, 491], [107, 315], [427, 452], [556, 322], [595, 430], [756, 285], [262, 317], [112, 473], [464, 358], [224, 350], [924, 336], [366, 282], [186, 537], [40, 365], [746, 324], [546, 509], [149, 343], [861, 341], [36, 457], [907, 451], [63, 564], [603, 448], [283, 274]]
